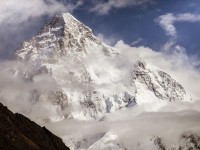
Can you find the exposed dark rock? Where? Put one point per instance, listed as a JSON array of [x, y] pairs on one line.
[[18, 132]]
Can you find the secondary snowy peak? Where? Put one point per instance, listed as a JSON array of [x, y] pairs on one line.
[[108, 141], [152, 83], [63, 35]]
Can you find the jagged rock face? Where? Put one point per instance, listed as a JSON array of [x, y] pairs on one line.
[[160, 84], [187, 141], [62, 49], [18, 132], [47, 45]]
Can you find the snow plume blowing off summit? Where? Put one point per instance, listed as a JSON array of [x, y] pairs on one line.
[[95, 96]]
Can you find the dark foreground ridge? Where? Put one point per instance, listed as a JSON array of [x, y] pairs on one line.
[[18, 132]]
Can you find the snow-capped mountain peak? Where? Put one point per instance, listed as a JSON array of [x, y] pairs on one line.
[[160, 85], [63, 35], [88, 82]]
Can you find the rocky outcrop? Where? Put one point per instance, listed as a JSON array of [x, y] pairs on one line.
[[18, 132], [159, 84]]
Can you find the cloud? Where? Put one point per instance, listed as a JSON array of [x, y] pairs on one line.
[[172, 59], [138, 41], [108, 40], [18, 11], [21, 95], [104, 8], [132, 128], [130, 125], [111, 80], [167, 21]]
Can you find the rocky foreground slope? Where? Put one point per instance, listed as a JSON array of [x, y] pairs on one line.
[[18, 132]]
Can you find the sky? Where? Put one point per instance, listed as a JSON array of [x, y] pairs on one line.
[[137, 22], [146, 24], [151, 23]]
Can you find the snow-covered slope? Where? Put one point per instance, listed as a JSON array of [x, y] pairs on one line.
[[89, 84]]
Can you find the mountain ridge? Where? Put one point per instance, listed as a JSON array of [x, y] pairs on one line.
[[18, 132]]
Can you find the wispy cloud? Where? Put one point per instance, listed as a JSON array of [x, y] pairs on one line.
[[168, 20], [104, 8], [17, 11], [138, 41]]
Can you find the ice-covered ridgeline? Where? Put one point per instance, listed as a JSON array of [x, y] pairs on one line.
[[63, 35]]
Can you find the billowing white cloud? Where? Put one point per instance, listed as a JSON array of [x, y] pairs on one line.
[[133, 126], [108, 40], [18, 94], [168, 20], [105, 7], [138, 123]]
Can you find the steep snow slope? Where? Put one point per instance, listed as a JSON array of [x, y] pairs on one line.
[[90, 84], [152, 84]]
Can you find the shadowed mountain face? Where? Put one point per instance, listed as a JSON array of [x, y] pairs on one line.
[[18, 132]]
